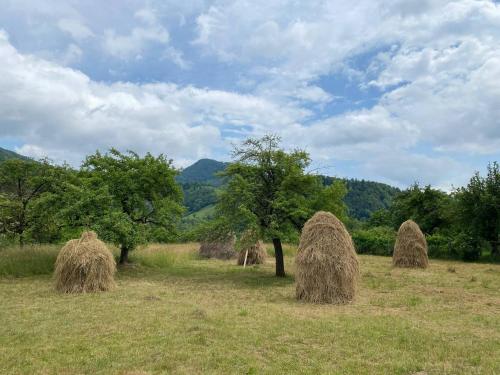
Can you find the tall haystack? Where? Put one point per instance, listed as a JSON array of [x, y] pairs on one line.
[[85, 265], [219, 248], [410, 249], [251, 248], [327, 269]]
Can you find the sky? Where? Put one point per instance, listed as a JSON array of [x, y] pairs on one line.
[[397, 91]]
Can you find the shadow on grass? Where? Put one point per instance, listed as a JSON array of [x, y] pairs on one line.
[[208, 272]]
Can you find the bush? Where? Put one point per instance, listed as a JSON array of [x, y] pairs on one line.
[[440, 246], [375, 241], [466, 247]]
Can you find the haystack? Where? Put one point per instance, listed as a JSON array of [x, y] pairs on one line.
[[251, 248], [85, 265], [327, 269], [221, 248], [410, 249]]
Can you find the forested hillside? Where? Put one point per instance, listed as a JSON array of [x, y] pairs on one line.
[[364, 197], [199, 183], [204, 172], [6, 154]]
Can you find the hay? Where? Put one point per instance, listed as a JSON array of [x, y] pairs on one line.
[[220, 249], [410, 250], [85, 265], [327, 269], [256, 250]]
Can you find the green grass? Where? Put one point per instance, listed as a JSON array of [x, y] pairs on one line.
[[28, 261], [175, 313]]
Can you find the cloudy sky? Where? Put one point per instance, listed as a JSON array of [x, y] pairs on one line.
[[392, 90]]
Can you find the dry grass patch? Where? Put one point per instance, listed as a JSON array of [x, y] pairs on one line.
[[210, 317]]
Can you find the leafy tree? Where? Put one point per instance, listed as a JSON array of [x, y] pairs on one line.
[[479, 207], [125, 198], [380, 218], [198, 195], [22, 183], [430, 208], [269, 189]]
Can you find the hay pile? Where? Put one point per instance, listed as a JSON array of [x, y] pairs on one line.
[[327, 269], [85, 265], [410, 249], [256, 250], [222, 248]]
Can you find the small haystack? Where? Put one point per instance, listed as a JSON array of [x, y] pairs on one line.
[[85, 265], [222, 248], [410, 249], [251, 248], [327, 269]]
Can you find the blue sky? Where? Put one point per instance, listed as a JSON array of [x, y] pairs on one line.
[[395, 91]]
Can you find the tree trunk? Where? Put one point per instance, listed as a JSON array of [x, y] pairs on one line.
[[494, 250], [280, 263], [124, 254], [21, 240]]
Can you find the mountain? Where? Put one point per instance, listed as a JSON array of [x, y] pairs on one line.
[[364, 197], [7, 154], [204, 172], [200, 184]]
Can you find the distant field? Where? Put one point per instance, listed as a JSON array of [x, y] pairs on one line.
[[174, 313]]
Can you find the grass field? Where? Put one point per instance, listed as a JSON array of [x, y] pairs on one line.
[[174, 313]]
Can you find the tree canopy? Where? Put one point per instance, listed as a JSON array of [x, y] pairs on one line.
[[126, 198], [270, 190]]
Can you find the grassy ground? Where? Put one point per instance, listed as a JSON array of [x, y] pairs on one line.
[[174, 313]]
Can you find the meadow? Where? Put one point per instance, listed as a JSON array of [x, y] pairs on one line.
[[175, 313]]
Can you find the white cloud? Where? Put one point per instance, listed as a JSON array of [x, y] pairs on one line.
[[76, 28], [60, 112], [177, 57], [134, 43], [435, 62], [72, 55]]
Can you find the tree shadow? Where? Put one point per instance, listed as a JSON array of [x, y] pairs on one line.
[[211, 273]]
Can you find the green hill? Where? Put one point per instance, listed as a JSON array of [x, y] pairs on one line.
[[6, 154], [203, 172], [364, 197], [200, 183]]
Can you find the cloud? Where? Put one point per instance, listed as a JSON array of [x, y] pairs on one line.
[[60, 112], [134, 43], [399, 90], [177, 57], [76, 28]]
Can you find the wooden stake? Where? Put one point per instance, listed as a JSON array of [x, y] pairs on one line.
[[245, 262]]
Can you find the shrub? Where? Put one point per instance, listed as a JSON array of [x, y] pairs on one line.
[[466, 247], [440, 246], [375, 241]]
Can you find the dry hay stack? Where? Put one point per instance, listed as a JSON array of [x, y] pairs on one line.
[[219, 248], [256, 249], [410, 249], [85, 265], [327, 269]]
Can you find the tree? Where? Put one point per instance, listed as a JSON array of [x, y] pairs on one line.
[[479, 207], [430, 208], [269, 190], [22, 183], [125, 198]]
